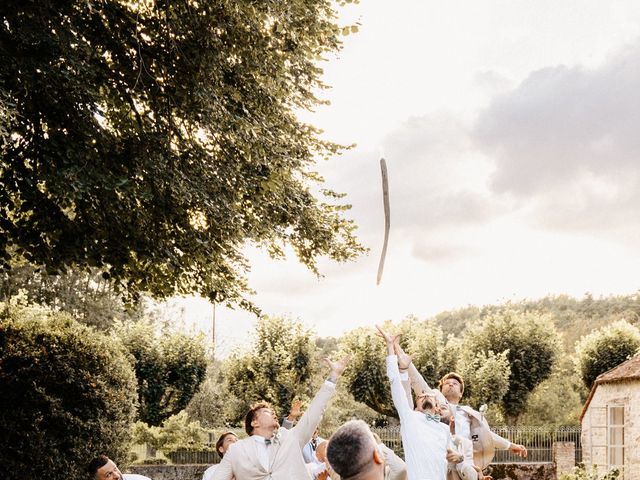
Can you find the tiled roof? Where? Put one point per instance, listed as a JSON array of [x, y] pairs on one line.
[[629, 370], [625, 371]]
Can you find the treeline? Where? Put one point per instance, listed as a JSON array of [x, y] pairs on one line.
[[531, 362], [572, 317]]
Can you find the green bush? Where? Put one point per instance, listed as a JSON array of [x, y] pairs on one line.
[[606, 348], [582, 473], [67, 394]]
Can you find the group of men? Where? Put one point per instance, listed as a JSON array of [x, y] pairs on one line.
[[442, 440]]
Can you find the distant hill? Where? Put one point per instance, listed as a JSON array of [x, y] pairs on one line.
[[572, 317]]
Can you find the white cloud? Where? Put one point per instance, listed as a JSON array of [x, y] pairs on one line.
[[566, 140]]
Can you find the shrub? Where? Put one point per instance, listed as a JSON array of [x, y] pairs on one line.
[[606, 348], [68, 394], [582, 473]]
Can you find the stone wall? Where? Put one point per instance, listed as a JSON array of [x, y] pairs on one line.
[[594, 426], [169, 472], [564, 457], [520, 471]]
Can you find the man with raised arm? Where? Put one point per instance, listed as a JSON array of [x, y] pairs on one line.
[[426, 441], [469, 423], [271, 452]]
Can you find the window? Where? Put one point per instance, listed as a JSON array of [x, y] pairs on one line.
[[615, 437]]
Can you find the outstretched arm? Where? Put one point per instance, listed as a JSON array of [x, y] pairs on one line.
[[418, 383], [311, 418], [397, 391]]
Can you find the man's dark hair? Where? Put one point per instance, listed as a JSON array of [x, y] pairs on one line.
[[251, 415], [96, 464], [350, 450], [221, 441]]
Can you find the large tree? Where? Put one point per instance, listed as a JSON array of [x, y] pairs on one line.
[[169, 368], [605, 348], [154, 140], [366, 377], [278, 366], [531, 345]]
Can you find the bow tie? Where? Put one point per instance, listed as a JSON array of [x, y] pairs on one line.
[[433, 418], [267, 441]]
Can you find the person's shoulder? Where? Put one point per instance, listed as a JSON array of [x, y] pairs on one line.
[[134, 476], [208, 473], [236, 446]]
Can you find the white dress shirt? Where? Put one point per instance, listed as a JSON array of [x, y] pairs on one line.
[[463, 428], [425, 441], [261, 447]]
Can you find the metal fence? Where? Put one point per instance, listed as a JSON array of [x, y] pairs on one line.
[[538, 440]]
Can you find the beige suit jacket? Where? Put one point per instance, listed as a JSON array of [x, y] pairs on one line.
[[285, 456]]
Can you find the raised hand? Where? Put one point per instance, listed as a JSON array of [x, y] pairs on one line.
[[296, 409], [337, 367], [390, 339], [404, 360]]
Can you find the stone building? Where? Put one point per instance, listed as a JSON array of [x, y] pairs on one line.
[[611, 421]]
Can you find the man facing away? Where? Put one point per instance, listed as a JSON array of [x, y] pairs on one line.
[[271, 452], [353, 454]]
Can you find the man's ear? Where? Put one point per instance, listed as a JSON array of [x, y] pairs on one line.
[[377, 457]]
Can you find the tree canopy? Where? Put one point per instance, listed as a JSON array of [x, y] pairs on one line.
[[278, 366], [169, 368], [366, 377], [154, 140], [531, 345], [605, 348]]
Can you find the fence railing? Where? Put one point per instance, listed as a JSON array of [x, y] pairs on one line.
[[538, 440]]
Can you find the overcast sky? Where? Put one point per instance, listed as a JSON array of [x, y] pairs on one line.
[[510, 130]]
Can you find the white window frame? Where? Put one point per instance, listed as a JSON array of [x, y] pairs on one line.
[[612, 426]]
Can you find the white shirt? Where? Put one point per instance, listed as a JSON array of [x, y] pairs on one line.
[[463, 423], [261, 448], [309, 452], [425, 441]]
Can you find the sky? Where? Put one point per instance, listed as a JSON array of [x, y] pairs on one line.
[[510, 132]]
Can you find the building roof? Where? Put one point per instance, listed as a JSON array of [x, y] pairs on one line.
[[629, 370]]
